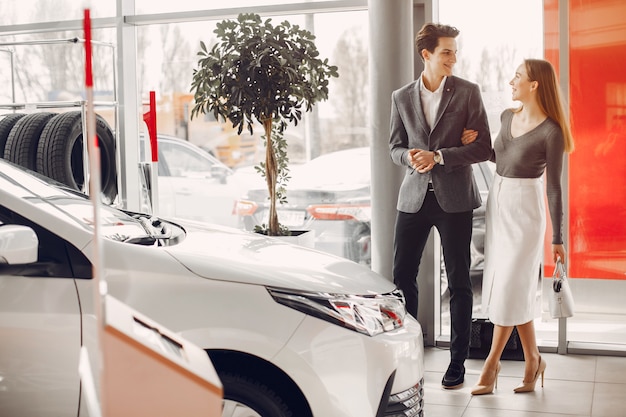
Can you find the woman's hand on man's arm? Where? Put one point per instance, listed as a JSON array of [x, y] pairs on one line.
[[468, 136]]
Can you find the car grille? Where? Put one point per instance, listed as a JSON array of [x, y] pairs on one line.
[[409, 403]]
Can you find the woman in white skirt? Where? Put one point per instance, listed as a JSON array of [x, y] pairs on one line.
[[532, 139]]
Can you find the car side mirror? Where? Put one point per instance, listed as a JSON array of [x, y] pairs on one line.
[[18, 244], [220, 173]]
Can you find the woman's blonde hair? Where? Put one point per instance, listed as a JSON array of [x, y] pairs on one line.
[[549, 96]]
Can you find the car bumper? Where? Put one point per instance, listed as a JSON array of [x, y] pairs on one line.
[[348, 374]]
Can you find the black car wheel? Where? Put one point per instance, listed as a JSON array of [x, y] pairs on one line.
[[246, 397]]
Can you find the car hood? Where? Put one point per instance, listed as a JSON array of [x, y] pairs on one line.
[[248, 257]]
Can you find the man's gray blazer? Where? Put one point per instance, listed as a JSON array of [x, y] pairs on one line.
[[461, 107]]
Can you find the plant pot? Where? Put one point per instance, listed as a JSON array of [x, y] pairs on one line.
[[304, 238]]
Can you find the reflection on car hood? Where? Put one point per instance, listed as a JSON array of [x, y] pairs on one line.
[[233, 255], [320, 195]]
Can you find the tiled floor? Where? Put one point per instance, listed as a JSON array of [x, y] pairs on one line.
[[575, 385]]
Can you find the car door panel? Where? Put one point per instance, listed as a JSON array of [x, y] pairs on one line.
[[41, 318]]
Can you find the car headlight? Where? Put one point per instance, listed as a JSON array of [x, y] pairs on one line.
[[367, 314]]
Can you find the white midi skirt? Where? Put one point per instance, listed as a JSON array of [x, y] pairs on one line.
[[514, 237]]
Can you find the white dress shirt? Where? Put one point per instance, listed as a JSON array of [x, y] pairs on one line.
[[430, 104], [430, 100]]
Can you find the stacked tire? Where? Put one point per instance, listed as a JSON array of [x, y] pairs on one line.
[[52, 144]]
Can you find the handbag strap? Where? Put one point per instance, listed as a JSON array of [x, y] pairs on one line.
[[558, 275]]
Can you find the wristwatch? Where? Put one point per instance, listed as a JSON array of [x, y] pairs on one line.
[[437, 157]]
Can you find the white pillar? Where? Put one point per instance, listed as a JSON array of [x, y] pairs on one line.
[[390, 67], [127, 133]]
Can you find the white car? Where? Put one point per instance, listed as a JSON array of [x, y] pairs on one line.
[[290, 331]]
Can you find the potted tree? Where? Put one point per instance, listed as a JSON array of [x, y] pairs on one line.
[[261, 72]]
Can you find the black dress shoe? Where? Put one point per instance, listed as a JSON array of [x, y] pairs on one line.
[[454, 377]]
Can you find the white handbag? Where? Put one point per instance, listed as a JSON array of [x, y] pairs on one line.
[[561, 300]]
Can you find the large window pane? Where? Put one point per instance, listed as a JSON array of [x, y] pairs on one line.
[[150, 6], [38, 11], [598, 190], [491, 46], [51, 66], [167, 56]]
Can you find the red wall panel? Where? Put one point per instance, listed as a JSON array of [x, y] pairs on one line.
[[597, 170]]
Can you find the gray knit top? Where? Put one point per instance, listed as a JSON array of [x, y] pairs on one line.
[[528, 156]]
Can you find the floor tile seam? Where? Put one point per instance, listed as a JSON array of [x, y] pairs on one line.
[[506, 392], [523, 410], [593, 394], [466, 407], [593, 388], [556, 379], [565, 379], [609, 382], [460, 404]]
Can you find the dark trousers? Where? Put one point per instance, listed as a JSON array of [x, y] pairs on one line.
[[455, 230]]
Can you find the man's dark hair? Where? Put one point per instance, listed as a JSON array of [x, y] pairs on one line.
[[428, 36]]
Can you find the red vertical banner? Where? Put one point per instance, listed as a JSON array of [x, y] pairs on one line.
[[88, 52], [150, 119], [89, 63]]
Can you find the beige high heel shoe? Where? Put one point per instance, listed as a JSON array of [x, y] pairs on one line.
[[530, 386], [487, 389]]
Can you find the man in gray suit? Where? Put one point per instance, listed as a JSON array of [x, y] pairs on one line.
[[431, 119]]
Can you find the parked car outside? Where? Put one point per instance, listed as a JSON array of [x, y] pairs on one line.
[[291, 331], [331, 195], [235, 149], [195, 185]]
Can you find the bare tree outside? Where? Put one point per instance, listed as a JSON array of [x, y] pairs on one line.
[[504, 63], [142, 37], [55, 71], [350, 93], [178, 59], [463, 65], [483, 77]]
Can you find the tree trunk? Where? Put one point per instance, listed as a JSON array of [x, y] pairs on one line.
[[271, 175]]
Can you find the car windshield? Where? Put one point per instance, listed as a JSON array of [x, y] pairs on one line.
[[70, 205], [342, 168]]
